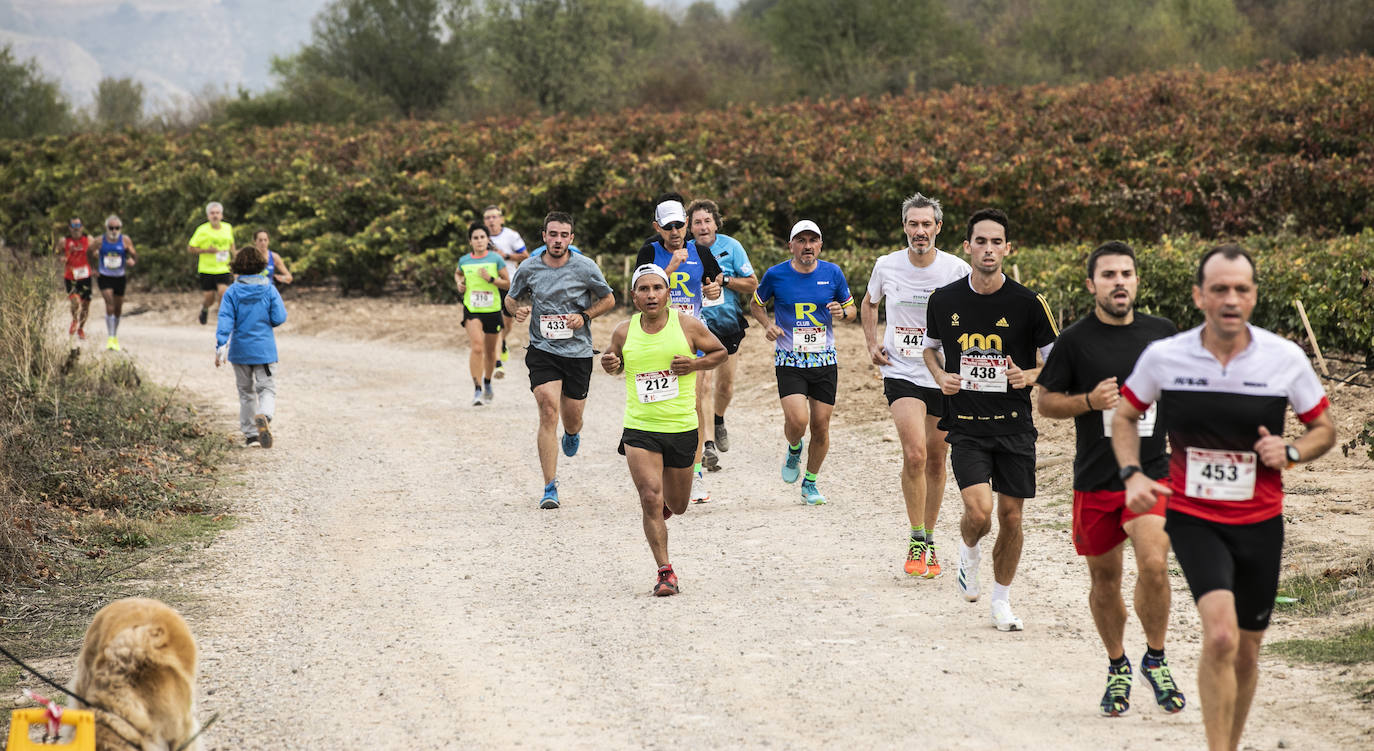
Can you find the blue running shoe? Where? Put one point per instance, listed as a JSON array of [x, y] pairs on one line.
[[550, 499], [1116, 701], [1157, 674], [811, 495], [570, 443], [791, 465]]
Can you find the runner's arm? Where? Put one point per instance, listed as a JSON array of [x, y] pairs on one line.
[[597, 308], [282, 274], [1141, 492], [869, 319], [459, 281], [744, 285], [949, 382], [1060, 405], [129, 248], [502, 280], [612, 360], [701, 339], [1319, 438]]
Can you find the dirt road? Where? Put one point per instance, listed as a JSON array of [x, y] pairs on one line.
[[393, 585]]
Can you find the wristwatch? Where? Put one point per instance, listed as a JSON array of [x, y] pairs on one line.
[[1127, 471], [725, 281], [1291, 452], [586, 319]]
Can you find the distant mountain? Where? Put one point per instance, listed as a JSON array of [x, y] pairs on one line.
[[175, 48]]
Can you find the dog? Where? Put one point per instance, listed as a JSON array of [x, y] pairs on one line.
[[137, 668]]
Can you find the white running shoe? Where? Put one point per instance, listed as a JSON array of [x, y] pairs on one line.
[[699, 492], [968, 574], [1003, 618]]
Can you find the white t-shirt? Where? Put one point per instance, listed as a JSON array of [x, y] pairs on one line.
[[508, 241], [907, 288]]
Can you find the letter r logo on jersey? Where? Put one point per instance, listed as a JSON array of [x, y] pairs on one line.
[[680, 282], [804, 310]]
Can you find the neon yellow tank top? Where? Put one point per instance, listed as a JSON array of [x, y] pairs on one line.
[[480, 295], [655, 399]]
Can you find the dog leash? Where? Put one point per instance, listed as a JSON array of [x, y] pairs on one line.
[[97, 707]]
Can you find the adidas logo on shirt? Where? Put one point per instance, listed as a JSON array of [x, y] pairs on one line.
[[1002, 322]]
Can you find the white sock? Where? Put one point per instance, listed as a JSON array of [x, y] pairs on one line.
[[1001, 592], [109, 325], [115, 329], [971, 553]]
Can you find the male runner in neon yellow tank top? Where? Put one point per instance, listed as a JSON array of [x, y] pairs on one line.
[[655, 349]]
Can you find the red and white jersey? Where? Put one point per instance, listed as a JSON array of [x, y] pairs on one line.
[[78, 264], [1213, 414]]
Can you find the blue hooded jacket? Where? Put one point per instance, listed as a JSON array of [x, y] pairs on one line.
[[250, 309]]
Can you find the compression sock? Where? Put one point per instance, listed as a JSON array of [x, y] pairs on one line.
[[109, 325], [486, 383], [1154, 654], [720, 419], [116, 326], [795, 449]]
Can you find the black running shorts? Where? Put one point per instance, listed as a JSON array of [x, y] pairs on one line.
[[679, 449], [814, 383], [210, 282], [115, 284], [574, 372], [899, 388], [1007, 460], [1243, 559], [491, 321], [79, 287]]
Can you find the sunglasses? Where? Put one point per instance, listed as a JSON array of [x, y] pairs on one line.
[[670, 226], [74, 225], [113, 226]]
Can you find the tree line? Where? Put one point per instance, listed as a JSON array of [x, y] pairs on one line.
[[371, 60]]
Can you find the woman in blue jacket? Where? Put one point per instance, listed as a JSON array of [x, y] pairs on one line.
[[250, 309]]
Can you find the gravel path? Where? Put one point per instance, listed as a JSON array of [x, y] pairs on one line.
[[393, 585]]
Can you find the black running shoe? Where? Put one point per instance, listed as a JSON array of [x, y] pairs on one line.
[[709, 458], [204, 316]]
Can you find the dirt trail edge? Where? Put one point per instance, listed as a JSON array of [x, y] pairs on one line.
[[393, 585]]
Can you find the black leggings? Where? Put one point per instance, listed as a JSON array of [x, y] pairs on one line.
[[1243, 559]]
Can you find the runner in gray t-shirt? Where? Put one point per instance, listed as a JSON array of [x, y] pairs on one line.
[[559, 292]]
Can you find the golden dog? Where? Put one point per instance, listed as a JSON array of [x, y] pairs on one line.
[[137, 667]]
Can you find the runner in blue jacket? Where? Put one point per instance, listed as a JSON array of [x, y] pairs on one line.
[[250, 309]]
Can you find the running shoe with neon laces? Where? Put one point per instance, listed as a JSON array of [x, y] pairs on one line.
[[968, 575], [115, 341], [811, 495], [264, 425], [505, 353], [570, 443], [1117, 698], [1003, 618], [550, 499], [722, 437], [1157, 674], [915, 557], [487, 395], [709, 458], [667, 582], [791, 464], [699, 492], [110, 343], [932, 563]]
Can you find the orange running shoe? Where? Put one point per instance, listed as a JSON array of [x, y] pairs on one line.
[[932, 563], [915, 558], [667, 582]]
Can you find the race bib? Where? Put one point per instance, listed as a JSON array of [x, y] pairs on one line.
[[555, 327], [1145, 427], [908, 340], [983, 373], [81, 272], [112, 261], [683, 309], [707, 302], [656, 386], [222, 256], [1219, 475], [808, 339], [483, 298]]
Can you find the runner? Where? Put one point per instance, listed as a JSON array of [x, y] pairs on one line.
[[114, 257], [1081, 380], [481, 278], [692, 276], [992, 327], [807, 293], [511, 246], [906, 278], [565, 292], [76, 274], [660, 351], [724, 316], [213, 242], [1222, 390], [243, 335], [276, 271]]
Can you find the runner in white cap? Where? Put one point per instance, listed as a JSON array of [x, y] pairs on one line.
[[692, 276], [807, 294], [905, 278], [660, 351]]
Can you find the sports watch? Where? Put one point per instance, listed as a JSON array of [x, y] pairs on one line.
[[1291, 452], [1127, 471], [725, 280]]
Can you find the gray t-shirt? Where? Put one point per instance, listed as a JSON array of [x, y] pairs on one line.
[[555, 293]]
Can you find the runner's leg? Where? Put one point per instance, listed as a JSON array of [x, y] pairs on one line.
[[491, 350], [1006, 552], [1247, 675], [475, 343], [724, 377], [1151, 545], [820, 435], [572, 413], [909, 415], [1104, 600], [207, 298], [706, 384], [219, 293], [977, 519], [794, 418], [546, 396], [936, 452], [646, 470], [1217, 668]]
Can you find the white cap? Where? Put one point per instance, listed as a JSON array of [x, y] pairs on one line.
[[645, 270], [805, 225], [668, 212]]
